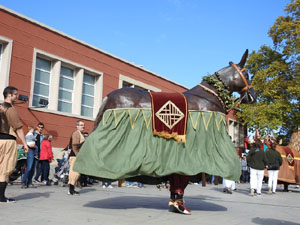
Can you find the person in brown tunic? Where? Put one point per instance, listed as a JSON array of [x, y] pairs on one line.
[[10, 129], [77, 140]]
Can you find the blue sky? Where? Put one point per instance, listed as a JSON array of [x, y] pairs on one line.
[[181, 40]]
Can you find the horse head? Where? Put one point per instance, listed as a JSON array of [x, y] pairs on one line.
[[236, 79]]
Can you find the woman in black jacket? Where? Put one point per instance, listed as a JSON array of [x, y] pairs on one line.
[[274, 163], [257, 162]]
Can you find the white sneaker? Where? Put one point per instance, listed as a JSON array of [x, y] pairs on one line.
[[109, 186], [103, 186], [270, 191]]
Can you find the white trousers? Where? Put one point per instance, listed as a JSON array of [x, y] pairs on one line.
[[230, 184], [272, 182], [256, 178]]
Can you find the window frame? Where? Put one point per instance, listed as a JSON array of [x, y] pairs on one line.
[[34, 81], [64, 89], [134, 83], [5, 63], [82, 94], [79, 70]]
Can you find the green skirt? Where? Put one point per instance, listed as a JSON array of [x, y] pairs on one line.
[[123, 146]]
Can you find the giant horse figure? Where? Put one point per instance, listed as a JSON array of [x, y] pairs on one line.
[[123, 146]]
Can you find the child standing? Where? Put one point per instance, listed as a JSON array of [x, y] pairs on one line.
[[46, 157]]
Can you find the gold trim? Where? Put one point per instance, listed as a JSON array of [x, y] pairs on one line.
[[185, 115], [295, 158], [192, 121], [152, 111], [145, 119], [133, 122], [204, 122], [174, 135], [217, 124], [116, 119], [173, 110], [222, 120]]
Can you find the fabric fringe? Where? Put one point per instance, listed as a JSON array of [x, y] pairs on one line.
[[178, 138]]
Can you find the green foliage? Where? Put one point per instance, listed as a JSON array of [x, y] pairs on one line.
[[224, 93], [276, 78]]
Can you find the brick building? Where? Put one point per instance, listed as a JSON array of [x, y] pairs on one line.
[[66, 79]]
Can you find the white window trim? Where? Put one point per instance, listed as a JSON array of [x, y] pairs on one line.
[[136, 82], [5, 63], [79, 70]]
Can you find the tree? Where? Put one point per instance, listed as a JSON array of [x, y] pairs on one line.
[[276, 78]]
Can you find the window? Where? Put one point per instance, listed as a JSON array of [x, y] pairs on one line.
[[129, 82], [41, 81], [5, 59], [126, 84], [69, 87], [66, 85], [88, 95], [236, 132]]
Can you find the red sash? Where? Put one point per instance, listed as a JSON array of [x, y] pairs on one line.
[[289, 156], [169, 115]]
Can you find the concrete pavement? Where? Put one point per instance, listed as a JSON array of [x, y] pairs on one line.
[[126, 206]]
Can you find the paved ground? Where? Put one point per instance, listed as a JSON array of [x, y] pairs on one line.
[[122, 206]]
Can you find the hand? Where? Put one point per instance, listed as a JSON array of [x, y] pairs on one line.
[[26, 149]]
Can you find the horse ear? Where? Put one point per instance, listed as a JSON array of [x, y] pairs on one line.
[[244, 58]]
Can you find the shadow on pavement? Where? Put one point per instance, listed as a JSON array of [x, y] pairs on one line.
[[33, 195], [131, 202], [86, 190], [266, 221]]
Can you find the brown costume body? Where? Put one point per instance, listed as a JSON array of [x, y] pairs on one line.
[[290, 170]]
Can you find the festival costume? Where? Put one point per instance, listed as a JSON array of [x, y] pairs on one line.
[[9, 123], [289, 172], [125, 134], [125, 144]]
